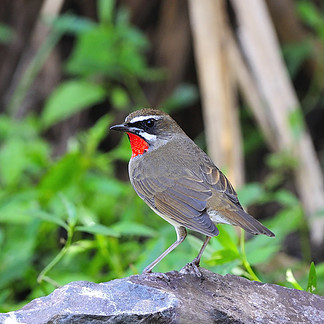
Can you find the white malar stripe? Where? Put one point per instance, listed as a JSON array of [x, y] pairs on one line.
[[148, 137], [141, 118]]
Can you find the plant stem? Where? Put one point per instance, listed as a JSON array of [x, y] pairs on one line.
[[245, 262], [42, 276]]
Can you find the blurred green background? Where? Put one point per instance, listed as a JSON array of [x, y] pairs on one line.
[[67, 209]]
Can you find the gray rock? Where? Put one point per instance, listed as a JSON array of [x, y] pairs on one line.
[[181, 297]]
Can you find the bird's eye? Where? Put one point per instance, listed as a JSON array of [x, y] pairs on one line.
[[150, 122]]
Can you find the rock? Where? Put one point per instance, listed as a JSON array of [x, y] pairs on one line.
[[177, 297]]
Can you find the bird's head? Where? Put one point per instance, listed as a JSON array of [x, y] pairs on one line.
[[148, 129]]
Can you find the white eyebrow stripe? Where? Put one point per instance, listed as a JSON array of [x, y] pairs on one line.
[[141, 118], [148, 137]]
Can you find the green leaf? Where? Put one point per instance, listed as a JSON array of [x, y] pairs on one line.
[[96, 133], [282, 160], [107, 186], [291, 279], [250, 194], [132, 228], [119, 98], [72, 24], [223, 256], [13, 160], [6, 34], [122, 151], [97, 229], [183, 96], [286, 198], [109, 51], [105, 10], [70, 210], [295, 55], [14, 208], [62, 174], [69, 98], [81, 246], [48, 218], [312, 279], [310, 14], [17, 254], [296, 123], [227, 238], [261, 253]]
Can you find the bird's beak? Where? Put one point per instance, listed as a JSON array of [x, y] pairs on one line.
[[126, 129], [120, 128]]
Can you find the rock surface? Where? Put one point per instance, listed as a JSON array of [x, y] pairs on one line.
[[181, 297]]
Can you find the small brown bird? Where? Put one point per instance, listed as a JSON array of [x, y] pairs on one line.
[[179, 181]]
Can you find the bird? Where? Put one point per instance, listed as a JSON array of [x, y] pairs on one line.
[[180, 182]]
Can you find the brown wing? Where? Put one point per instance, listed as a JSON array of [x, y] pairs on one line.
[[231, 209], [213, 176], [180, 200]]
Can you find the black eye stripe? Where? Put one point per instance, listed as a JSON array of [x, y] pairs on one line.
[[148, 123]]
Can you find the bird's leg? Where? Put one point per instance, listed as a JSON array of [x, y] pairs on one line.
[[192, 267], [181, 235], [196, 260]]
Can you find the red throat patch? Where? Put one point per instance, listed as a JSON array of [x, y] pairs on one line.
[[138, 145]]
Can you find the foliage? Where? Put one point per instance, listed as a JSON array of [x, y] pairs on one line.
[[69, 218], [308, 50], [6, 34]]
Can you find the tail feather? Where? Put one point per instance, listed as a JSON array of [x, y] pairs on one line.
[[240, 218]]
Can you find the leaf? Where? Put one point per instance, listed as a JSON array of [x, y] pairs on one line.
[[69, 23], [286, 198], [113, 51], [263, 253], [119, 98], [281, 160], [227, 238], [97, 229], [310, 14], [62, 174], [107, 186], [70, 210], [183, 96], [69, 98], [295, 55], [13, 160], [296, 123], [105, 10], [132, 228], [97, 133], [6, 34], [291, 279], [81, 246], [14, 207], [224, 256], [251, 193], [312, 279], [18, 254], [48, 218]]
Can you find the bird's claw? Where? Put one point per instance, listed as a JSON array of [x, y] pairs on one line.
[[157, 275], [192, 268]]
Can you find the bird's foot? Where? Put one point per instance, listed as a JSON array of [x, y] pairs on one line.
[[157, 275], [192, 268]]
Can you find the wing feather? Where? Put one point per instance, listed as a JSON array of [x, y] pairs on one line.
[[219, 182], [183, 200]]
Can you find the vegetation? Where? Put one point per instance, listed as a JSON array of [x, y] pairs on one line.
[[68, 217]]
